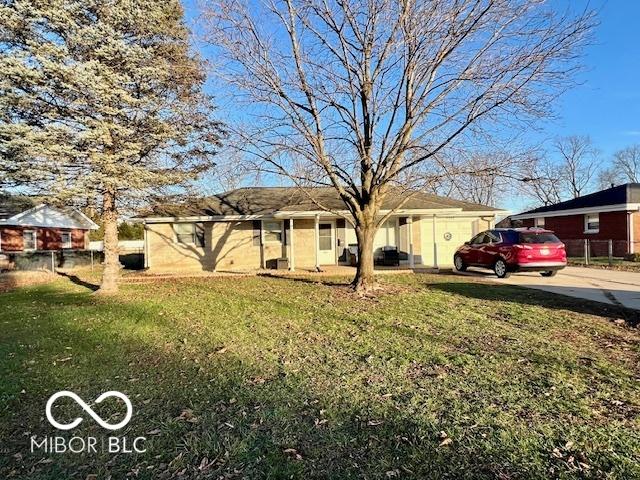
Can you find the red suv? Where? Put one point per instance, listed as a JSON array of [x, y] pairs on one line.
[[506, 250]]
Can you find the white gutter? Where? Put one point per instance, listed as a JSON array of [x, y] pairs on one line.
[[457, 212], [579, 211]]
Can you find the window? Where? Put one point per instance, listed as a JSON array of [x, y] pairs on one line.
[[494, 237], [533, 237], [480, 239], [272, 231], [257, 229], [189, 233], [538, 222], [30, 240], [65, 239], [592, 223], [324, 236]]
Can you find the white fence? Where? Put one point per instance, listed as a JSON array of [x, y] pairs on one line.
[[125, 246]]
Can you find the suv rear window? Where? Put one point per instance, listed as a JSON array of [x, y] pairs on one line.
[[542, 237]]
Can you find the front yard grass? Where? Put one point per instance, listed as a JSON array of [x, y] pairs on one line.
[[439, 377], [603, 262]]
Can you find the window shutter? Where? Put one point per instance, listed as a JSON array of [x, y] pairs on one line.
[[199, 234], [285, 231], [257, 225]]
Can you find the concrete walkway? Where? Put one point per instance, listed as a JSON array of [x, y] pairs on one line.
[[607, 286]]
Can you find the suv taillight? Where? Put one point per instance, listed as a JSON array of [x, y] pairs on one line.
[[523, 247]]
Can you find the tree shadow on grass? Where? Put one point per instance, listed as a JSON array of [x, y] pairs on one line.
[[209, 413], [308, 279], [528, 296], [78, 281]]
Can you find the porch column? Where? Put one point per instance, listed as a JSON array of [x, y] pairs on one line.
[[292, 265], [630, 226], [317, 241], [145, 249], [435, 244], [410, 230]]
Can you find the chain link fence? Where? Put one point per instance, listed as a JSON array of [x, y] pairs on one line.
[[49, 260], [602, 252]]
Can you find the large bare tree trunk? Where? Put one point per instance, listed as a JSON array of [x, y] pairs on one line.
[[365, 279], [109, 285]]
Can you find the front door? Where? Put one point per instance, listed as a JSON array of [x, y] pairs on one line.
[[326, 243]]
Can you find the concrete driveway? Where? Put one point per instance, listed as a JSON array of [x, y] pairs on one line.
[[607, 286]]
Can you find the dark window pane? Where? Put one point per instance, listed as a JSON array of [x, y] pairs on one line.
[[199, 237], [65, 238], [257, 225], [538, 238], [29, 240], [272, 231], [186, 238], [325, 243], [324, 236]]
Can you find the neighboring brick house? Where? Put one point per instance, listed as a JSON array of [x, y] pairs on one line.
[[611, 214], [251, 228], [26, 226]]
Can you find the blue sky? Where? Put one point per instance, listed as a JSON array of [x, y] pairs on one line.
[[606, 103]]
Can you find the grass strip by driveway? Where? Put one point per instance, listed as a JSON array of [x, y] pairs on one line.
[[439, 377]]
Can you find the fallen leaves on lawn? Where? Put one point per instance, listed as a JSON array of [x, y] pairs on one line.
[[446, 440], [188, 416], [292, 452]]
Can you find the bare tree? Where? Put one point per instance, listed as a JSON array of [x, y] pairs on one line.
[[544, 185], [358, 94], [609, 177], [483, 177], [578, 163], [571, 174], [626, 163]]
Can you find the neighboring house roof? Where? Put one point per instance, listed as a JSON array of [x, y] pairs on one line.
[[620, 197], [18, 210], [268, 201]]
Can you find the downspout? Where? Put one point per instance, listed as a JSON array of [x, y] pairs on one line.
[[146, 246], [410, 230], [435, 245], [292, 265], [317, 241], [263, 261], [630, 235]]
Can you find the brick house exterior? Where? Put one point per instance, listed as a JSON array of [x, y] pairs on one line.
[[259, 227], [12, 238], [611, 214], [28, 227]]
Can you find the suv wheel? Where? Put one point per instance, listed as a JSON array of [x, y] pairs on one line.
[[459, 263], [500, 269], [550, 273]]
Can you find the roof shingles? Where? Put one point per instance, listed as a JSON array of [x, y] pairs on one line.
[[269, 200], [618, 195]]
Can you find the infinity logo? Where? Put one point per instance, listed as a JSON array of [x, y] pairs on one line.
[[87, 408]]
